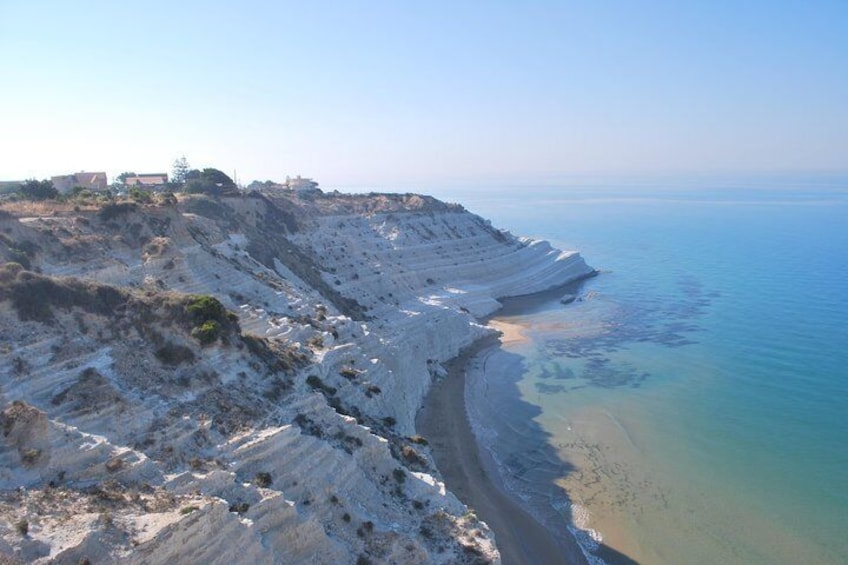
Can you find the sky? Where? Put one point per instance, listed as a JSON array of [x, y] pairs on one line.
[[401, 94]]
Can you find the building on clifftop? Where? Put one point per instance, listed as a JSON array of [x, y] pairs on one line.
[[147, 180], [301, 185], [88, 181]]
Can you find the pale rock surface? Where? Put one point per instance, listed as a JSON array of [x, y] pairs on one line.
[[115, 452]]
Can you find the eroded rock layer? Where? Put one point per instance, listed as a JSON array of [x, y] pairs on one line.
[[236, 379]]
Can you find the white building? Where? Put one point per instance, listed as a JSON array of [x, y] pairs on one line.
[[301, 185]]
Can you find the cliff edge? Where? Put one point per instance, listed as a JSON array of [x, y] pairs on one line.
[[236, 379]]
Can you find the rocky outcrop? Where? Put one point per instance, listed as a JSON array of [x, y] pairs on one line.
[[191, 380]]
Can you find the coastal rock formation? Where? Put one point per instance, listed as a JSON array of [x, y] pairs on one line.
[[236, 379]]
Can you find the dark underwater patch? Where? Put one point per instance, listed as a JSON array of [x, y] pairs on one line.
[[669, 322]]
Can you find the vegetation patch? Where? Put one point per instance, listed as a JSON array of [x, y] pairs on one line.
[[174, 355], [240, 507], [115, 464], [350, 443], [209, 318], [29, 456], [112, 211], [412, 457], [308, 426], [20, 251], [317, 384], [22, 527], [349, 373], [91, 392], [207, 332], [263, 479], [35, 296], [38, 190], [203, 307]]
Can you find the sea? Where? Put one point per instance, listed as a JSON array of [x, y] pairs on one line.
[[691, 404]]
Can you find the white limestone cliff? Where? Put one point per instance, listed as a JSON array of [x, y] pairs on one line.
[[127, 440]]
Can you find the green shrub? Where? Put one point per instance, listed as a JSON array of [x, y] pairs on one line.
[[188, 510], [140, 195], [207, 332], [203, 308], [209, 318]]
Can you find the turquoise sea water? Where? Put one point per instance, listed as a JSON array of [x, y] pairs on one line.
[[692, 406]]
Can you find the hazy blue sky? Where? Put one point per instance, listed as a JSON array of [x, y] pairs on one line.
[[423, 93]]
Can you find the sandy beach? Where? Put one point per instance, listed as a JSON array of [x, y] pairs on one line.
[[511, 333], [467, 472]]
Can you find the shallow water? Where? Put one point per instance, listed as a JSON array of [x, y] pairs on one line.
[[692, 406]]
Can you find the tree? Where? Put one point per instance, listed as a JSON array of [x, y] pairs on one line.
[[209, 181], [38, 190], [259, 185], [180, 170], [79, 190], [197, 186], [140, 195], [218, 177], [122, 178]]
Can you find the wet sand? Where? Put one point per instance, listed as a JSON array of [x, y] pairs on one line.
[[467, 471]]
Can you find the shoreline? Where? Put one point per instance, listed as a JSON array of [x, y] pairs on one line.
[[467, 472]]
